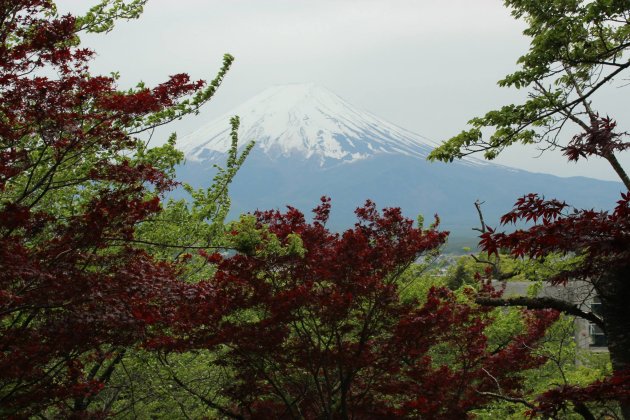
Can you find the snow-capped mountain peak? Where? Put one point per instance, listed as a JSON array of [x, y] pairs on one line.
[[350, 155], [308, 121]]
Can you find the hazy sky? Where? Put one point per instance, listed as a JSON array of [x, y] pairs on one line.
[[426, 65]]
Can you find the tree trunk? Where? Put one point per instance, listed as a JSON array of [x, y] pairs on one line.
[[614, 293]]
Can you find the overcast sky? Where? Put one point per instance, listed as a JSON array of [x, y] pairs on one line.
[[426, 65]]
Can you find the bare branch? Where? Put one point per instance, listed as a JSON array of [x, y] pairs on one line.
[[483, 223], [191, 391], [543, 303], [507, 398], [166, 245]]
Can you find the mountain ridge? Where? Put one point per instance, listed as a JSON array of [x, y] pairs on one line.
[[290, 167]]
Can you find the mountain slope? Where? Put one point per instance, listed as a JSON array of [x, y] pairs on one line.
[[311, 143], [308, 121]]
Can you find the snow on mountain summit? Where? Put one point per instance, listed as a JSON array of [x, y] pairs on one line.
[[304, 120]]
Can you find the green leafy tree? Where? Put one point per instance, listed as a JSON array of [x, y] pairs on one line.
[[185, 232], [578, 49]]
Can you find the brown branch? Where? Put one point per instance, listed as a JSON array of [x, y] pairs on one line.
[[507, 398], [580, 92], [579, 408], [559, 109], [166, 245], [496, 271], [612, 159], [583, 411], [543, 303], [483, 223], [583, 97], [205, 400]]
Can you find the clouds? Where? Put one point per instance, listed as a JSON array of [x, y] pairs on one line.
[[297, 38], [426, 65]]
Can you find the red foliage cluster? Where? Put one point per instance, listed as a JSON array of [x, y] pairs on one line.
[[553, 402], [128, 106], [602, 237], [326, 334], [599, 140], [602, 240], [73, 288]]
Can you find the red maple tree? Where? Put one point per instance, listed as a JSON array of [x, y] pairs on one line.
[[318, 329], [602, 239], [74, 289], [577, 51]]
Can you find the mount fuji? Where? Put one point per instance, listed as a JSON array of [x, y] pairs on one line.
[[307, 122], [310, 143]]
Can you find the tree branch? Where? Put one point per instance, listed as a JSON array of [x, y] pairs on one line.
[[205, 400], [481, 221], [583, 411], [612, 159], [543, 303], [165, 245], [506, 398]]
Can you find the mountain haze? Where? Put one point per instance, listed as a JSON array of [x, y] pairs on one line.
[[310, 142]]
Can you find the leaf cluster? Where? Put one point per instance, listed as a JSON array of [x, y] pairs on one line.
[[577, 47]]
